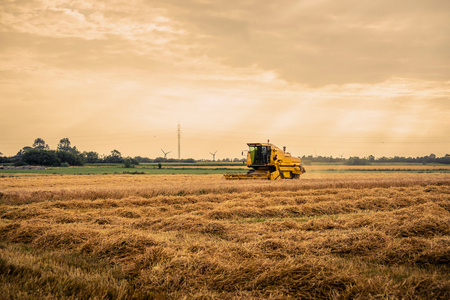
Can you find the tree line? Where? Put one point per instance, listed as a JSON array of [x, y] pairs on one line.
[[67, 155], [64, 155], [355, 160]]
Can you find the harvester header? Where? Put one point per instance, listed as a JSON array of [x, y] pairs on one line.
[[270, 162]]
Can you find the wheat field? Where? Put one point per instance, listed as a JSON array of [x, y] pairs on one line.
[[325, 236]]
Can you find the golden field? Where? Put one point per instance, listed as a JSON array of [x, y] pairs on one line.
[[325, 236]]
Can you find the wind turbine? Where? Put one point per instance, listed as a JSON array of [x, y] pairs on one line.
[[165, 153], [214, 155]]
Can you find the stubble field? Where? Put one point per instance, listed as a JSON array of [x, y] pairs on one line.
[[325, 236]]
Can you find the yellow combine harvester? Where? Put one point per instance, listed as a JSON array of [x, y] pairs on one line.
[[270, 162]]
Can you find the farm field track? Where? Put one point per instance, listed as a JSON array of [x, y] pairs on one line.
[[326, 236]]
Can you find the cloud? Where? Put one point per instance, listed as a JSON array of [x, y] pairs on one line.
[[323, 42], [307, 42], [82, 19], [320, 75]]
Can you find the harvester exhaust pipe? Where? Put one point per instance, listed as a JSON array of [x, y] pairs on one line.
[[284, 148]]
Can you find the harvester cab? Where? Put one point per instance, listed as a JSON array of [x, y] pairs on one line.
[[269, 162]]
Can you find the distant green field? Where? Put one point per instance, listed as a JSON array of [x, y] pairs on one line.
[[220, 168], [86, 170]]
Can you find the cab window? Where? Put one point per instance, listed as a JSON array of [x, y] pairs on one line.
[[259, 155]]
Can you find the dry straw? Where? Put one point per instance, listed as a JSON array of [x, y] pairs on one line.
[[201, 237]]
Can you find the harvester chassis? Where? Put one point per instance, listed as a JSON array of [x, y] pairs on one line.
[[282, 171]]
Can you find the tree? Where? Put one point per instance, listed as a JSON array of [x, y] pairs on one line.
[[64, 145], [22, 151], [130, 162], [71, 158], [116, 153], [41, 157], [355, 161], [40, 144], [444, 160], [160, 159], [115, 157], [4, 159], [91, 157], [143, 159]]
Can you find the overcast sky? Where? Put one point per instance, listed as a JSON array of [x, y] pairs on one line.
[[330, 77]]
